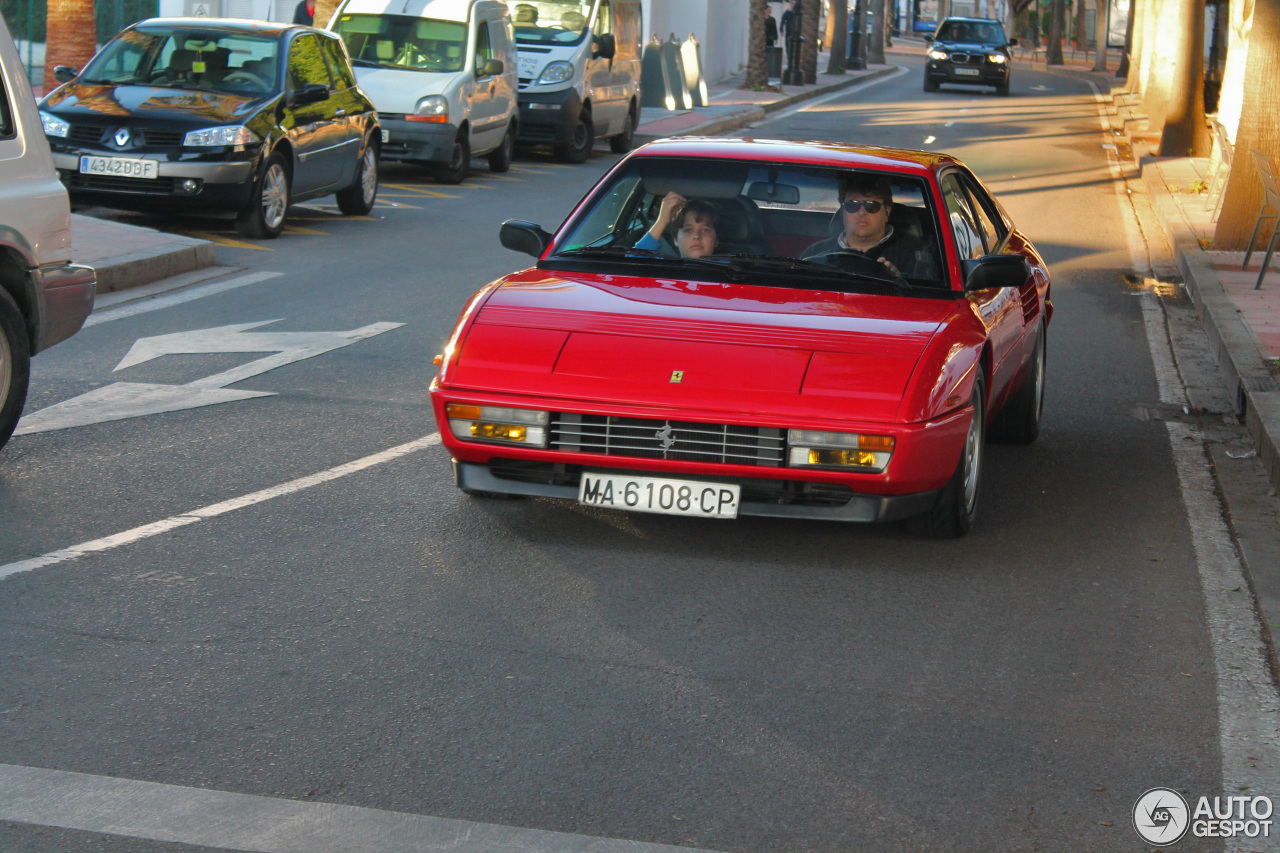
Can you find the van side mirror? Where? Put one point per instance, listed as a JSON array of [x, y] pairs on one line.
[[520, 236], [310, 94], [490, 68], [928, 39], [604, 46], [995, 271], [1013, 42], [64, 73]]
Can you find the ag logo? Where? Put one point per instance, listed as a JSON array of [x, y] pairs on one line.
[[1161, 816]]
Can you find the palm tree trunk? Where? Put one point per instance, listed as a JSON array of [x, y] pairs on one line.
[[809, 50], [1185, 134], [757, 65], [72, 36], [838, 36]]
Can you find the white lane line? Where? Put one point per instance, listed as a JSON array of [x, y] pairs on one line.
[[225, 820], [213, 510], [809, 105], [177, 297]]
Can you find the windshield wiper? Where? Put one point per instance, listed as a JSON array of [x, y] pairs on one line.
[[802, 265], [724, 263], [366, 63]]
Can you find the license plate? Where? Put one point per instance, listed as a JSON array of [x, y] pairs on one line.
[[119, 167], [967, 72], [660, 494], [386, 136]]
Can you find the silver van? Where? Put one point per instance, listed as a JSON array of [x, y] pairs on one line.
[[579, 73], [442, 75], [44, 298]]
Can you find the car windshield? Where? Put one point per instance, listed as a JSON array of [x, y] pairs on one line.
[[188, 58], [971, 32], [403, 41], [762, 219], [549, 21]]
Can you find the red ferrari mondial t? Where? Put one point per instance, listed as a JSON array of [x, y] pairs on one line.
[[748, 327]]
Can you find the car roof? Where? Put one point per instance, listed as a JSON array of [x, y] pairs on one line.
[[224, 24], [979, 20], [839, 155]]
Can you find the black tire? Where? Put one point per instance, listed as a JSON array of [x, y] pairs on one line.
[[500, 160], [1018, 421], [1003, 89], [265, 216], [622, 143], [358, 199], [579, 146], [929, 85], [956, 509], [455, 171], [15, 365]]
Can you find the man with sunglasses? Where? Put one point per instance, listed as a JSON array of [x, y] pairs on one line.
[[865, 203]]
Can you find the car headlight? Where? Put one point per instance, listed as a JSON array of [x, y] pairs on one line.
[[54, 126], [938, 54], [998, 58], [556, 72], [814, 449], [498, 424], [235, 134], [433, 108]]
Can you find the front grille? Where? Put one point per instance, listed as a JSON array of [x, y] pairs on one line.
[[110, 183], [960, 58], [163, 138], [537, 132], [679, 440], [90, 133], [93, 134]]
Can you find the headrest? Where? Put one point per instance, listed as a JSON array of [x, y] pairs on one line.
[[731, 221], [385, 48], [573, 20], [181, 60], [217, 59]]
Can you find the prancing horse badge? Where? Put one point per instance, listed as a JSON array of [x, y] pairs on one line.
[[677, 376]]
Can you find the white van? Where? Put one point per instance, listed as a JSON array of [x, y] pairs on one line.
[[442, 74], [579, 73]]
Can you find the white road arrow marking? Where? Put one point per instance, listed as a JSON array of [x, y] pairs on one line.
[[122, 400], [1041, 88]]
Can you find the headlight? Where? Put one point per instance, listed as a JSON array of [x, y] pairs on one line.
[[498, 424], [814, 449], [54, 126], [938, 54], [431, 108], [556, 72], [998, 58], [220, 136]]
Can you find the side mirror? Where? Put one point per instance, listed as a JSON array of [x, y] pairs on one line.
[[64, 73], [310, 94], [995, 271], [520, 236], [1013, 42], [604, 46], [928, 39], [490, 68]]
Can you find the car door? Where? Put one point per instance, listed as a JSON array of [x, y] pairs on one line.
[[487, 124], [607, 90], [317, 132], [350, 105]]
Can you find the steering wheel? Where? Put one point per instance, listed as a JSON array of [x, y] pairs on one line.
[[248, 79], [851, 260]]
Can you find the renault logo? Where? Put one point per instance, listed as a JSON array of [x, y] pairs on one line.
[[666, 436], [122, 137]]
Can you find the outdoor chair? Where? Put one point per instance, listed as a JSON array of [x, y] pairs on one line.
[[1270, 199], [1221, 171]]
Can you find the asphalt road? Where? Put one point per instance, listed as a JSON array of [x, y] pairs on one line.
[[380, 640]]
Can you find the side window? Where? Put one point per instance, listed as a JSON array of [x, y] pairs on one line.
[[306, 63], [988, 219], [604, 20], [626, 29], [6, 112], [339, 67], [484, 47], [969, 238]]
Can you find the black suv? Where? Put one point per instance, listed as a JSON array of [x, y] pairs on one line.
[[969, 51]]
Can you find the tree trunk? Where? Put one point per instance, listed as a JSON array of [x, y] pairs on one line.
[[837, 36], [1185, 134], [875, 50], [1100, 36], [809, 50], [1053, 52], [324, 11], [1259, 129], [757, 61], [1150, 44], [1160, 67], [72, 36], [1127, 50]]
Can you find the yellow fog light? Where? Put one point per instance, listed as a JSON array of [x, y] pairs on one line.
[[498, 424], [839, 449]]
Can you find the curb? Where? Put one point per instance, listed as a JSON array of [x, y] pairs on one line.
[[1230, 341], [747, 115], [149, 265]]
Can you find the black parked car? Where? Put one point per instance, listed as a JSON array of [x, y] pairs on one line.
[[969, 51], [211, 113]]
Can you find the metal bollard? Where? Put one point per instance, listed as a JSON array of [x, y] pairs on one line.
[[655, 85], [674, 63], [691, 51]]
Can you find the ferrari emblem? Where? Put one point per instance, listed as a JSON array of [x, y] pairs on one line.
[[666, 436], [122, 137], [677, 376]]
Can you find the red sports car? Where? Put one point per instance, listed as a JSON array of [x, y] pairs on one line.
[[752, 327]]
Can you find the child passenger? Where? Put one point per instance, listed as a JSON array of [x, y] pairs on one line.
[[693, 223]]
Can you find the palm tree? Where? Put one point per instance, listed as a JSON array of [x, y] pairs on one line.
[[72, 36], [757, 64]]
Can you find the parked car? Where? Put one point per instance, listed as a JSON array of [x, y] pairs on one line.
[[216, 114], [971, 52], [443, 77], [769, 367], [44, 298]]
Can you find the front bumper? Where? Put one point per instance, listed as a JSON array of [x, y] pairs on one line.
[[988, 73], [548, 118], [221, 183], [66, 294], [416, 141]]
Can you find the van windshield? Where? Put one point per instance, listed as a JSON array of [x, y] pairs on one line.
[[403, 41], [550, 21]]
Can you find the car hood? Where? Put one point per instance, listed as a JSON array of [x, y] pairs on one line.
[[396, 90], [970, 47], [684, 344], [185, 107]]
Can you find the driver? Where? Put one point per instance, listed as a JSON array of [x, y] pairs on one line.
[[865, 202], [693, 227]]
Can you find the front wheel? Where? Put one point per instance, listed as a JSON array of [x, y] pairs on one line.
[[15, 365], [956, 509], [455, 171], [265, 215], [579, 146], [1003, 89], [357, 199], [929, 85]]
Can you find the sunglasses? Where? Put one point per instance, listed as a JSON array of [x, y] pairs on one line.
[[853, 206]]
